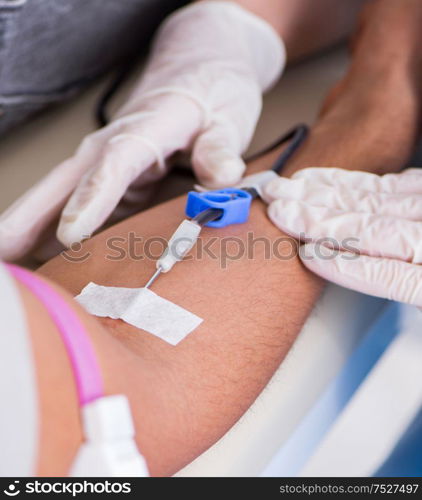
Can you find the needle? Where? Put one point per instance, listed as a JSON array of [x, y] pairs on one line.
[[153, 277]]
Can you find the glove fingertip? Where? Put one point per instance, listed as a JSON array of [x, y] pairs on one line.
[[217, 171], [71, 232]]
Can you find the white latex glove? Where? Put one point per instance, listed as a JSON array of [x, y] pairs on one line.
[[201, 91], [383, 215]]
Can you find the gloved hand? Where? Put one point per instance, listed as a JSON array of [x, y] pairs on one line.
[[376, 221], [201, 91]]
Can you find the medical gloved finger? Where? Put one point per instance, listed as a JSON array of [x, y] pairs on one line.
[[137, 151], [100, 190], [388, 278], [135, 199], [216, 157], [407, 206], [380, 236], [407, 182], [23, 222]]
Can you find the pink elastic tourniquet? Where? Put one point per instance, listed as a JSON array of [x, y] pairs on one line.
[[78, 345]]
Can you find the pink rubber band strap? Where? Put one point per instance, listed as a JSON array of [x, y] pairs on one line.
[[79, 348]]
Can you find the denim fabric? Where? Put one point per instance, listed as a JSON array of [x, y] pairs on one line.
[[49, 49]]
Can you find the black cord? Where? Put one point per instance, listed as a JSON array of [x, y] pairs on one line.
[[296, 136], [208, 215]]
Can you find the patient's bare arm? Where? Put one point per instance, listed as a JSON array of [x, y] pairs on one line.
[[371, 118], [307, 26], [185, 397]]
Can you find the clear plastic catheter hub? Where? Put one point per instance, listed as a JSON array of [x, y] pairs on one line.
[[181, 242]]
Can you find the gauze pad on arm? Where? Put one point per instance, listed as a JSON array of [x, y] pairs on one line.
[[140, 307]]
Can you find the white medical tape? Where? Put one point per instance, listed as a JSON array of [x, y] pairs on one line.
[[18, 389], [141, 308]]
